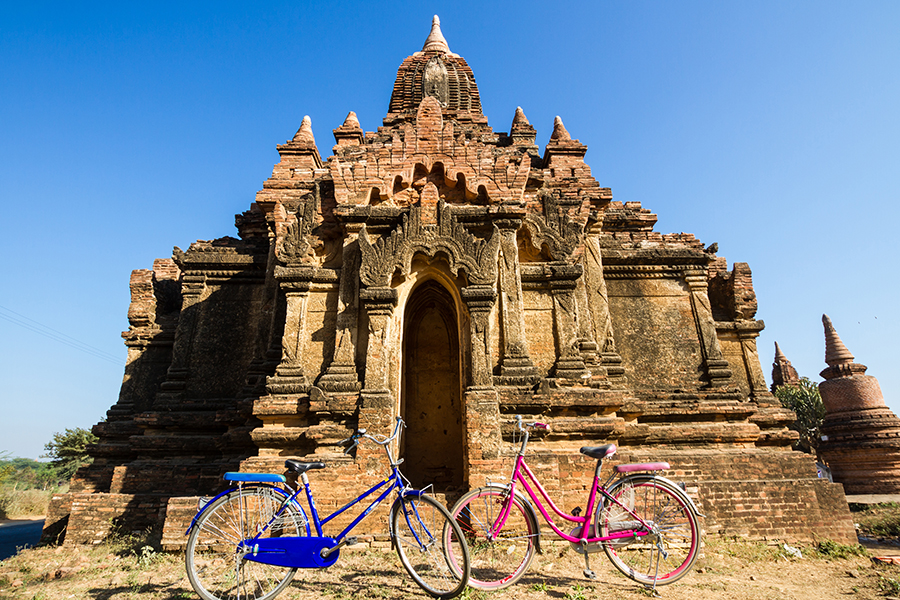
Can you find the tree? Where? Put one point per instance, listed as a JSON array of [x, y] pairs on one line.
[[803, 398], [68, 450]]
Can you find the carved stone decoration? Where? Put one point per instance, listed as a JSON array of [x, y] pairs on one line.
[[294, 247], [435, 81], [555, 229], [395, 252]]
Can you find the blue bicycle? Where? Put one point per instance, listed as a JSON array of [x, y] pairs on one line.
[[247, 542]]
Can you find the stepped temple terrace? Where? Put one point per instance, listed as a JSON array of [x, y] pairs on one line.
[[454, 275]]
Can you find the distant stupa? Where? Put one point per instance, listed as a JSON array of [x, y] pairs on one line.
[[783, 372], [860, 435]]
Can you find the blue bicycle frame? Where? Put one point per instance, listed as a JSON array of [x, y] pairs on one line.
[[310, 551]]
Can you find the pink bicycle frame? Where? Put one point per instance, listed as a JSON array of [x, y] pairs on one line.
[[584, 521]]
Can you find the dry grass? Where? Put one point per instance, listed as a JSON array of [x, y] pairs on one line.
[[17, 504], [878, 520], [729, 568]]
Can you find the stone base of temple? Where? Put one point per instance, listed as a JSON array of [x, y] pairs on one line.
[[757, 493]]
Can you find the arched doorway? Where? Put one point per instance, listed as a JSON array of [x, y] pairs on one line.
[[431, 397]]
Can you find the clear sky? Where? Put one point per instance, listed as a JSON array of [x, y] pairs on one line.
[[126, 129]]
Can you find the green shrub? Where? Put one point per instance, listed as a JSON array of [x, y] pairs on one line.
[[830, 549]]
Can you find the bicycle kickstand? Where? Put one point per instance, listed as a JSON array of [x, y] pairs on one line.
[[587, 565], [660, 553]]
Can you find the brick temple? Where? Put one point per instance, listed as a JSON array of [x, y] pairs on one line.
[[453, 275]]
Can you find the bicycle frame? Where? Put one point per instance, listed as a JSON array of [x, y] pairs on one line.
[[316, 551], [584, 521]]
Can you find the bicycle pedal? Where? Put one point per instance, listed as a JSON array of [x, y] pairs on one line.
[[350, 540], [590, 574]]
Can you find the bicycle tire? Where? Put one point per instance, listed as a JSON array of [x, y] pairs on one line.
[[668, 554], [213, 557], [430, 545], [499, 562]]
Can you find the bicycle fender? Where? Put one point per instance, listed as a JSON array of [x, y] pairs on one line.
[[526, 503], [228, 491], [200, 511]]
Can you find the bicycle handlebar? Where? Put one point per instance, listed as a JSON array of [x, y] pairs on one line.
[[353, 441], [535, 425]]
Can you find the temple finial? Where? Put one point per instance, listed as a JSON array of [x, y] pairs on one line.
[[559, 131], [352, 121], [435, 41], [305, 134], [779, 355], [519, 120], [836, 353]]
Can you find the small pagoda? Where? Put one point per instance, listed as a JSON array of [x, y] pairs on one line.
[[860, 434]]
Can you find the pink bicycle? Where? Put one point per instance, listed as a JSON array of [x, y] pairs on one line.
[[646, 524]]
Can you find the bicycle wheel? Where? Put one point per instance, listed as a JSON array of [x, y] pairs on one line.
[[667, 553], [497, 561], [214, 557], [430, 544]]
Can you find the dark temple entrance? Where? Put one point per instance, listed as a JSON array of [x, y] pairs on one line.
[[431, 397]]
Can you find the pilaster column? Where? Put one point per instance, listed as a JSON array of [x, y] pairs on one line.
[[480, 300], [716, 366], [377, 406], [193, 285], [747, 332], [563, 279], [290, 377], [340, 376], [586, 344], [516, 367], [598, 305]]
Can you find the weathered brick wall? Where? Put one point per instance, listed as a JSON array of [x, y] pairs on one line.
[[751, 493], [57, 519], [96, 516], [655, 332]]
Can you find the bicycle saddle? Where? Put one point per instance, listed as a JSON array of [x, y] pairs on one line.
[[599, 452], [302, 467]]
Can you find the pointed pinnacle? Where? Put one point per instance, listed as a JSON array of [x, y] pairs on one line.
[[305, 134], [435, 40], [559, 131], [351, 121], [520, 120], [779, 355], [836, 353]]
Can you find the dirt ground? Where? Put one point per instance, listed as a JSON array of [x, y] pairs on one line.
[[729, 569]]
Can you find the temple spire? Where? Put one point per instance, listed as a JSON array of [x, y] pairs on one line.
[[836, 353], [559, 131], [779, 355], [305, 134], [519, 119], [783, 372], [435, 41]]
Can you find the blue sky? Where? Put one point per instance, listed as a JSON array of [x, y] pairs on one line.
[[771, 128]]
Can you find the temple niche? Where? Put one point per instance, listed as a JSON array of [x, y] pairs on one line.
[[454, 275]]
